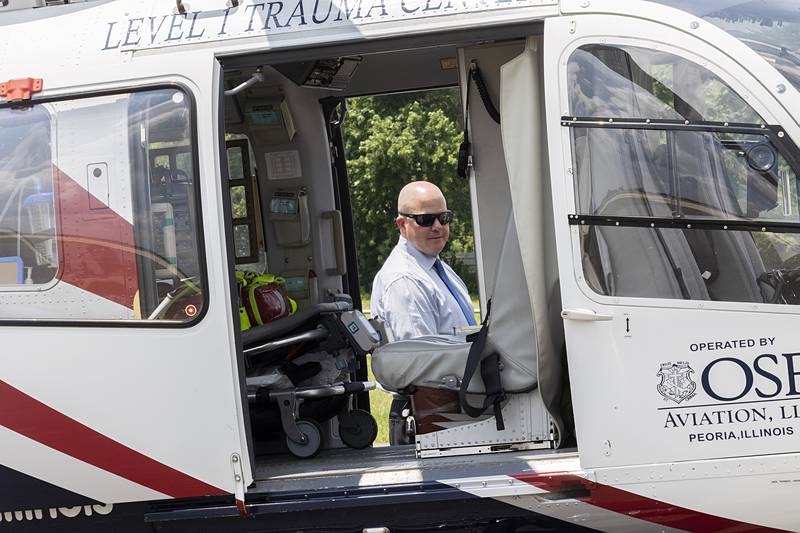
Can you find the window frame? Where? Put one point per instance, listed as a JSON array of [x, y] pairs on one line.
[[198, 225]]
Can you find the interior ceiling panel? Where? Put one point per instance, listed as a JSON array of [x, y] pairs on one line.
[[402, 71], [376, 73]]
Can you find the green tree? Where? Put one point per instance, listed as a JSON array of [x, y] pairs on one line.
[[390, 141]]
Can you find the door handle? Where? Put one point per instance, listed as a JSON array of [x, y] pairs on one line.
[[586, 315]]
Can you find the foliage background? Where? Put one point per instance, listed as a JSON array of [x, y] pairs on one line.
[[390, 141]]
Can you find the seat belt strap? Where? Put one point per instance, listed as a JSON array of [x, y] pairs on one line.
[[495, 395], [490, 372]]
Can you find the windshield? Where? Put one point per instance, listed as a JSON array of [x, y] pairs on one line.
[[770, 27]]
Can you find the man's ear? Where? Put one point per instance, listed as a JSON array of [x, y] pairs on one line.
[[400, 222]]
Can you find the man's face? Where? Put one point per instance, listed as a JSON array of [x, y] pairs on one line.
[[429, 241]]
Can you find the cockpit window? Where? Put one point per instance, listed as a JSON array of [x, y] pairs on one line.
[[628, 81], [681, 189], [770, 27]]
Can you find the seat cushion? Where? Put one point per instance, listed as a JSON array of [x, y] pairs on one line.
[[424, 361]]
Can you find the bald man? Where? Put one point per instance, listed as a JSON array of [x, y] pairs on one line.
[[415, 292]]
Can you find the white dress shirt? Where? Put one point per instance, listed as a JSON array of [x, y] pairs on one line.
[[412, 299]]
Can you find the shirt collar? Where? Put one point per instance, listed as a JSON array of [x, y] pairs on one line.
[[423, 260]]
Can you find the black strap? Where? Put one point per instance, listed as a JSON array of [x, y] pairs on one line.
[[475, 73], [466, 109], [465, 149], [490, 372]]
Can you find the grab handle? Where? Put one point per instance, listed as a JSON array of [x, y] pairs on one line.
[[182, 8], [338, 243], [585, 315]]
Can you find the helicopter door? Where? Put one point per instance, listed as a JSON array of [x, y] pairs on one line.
[[119, 377], [674, 171]]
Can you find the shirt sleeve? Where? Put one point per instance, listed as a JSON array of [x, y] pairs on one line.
[[408, 309]]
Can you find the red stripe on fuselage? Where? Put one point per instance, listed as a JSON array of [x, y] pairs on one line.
[[641, 507], [27, 416], [96, 246]]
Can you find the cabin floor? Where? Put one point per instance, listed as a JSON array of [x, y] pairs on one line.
[[394, 465]]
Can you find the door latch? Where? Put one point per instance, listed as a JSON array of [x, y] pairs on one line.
[[586, 315]]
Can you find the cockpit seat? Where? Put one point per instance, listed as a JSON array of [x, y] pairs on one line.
[[439, 361]]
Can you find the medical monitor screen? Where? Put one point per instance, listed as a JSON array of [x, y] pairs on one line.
[[283, 206]]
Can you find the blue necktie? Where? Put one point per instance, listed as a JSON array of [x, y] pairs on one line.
[[466, 309]]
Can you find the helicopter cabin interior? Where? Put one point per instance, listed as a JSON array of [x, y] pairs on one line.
[[284, 119]]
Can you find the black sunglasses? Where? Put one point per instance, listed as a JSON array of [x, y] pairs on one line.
[[426, 220]]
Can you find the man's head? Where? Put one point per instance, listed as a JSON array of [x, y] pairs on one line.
[[418, 198]]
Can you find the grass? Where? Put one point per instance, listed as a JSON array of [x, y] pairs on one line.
[[379, 401], [379, 404]]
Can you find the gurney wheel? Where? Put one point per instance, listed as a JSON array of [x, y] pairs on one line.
[[357, 429], [312, 446]]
